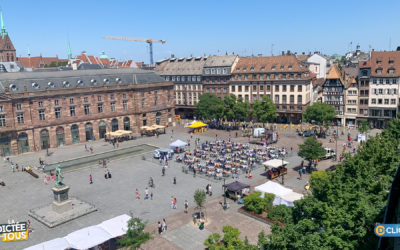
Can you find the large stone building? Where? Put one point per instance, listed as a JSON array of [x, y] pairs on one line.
[[333, 93], [351, 101], [186, 74], [50, 109], [217, 74], [283, 78], [384, 87], [363, 90]]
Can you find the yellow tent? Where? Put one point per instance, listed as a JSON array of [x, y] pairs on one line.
[[197, 125]]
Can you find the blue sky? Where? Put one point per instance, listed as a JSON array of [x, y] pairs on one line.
[[200, 27]]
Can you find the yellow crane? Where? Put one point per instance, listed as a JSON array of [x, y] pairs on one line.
[[150, 41]]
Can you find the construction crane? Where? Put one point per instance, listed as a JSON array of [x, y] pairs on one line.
[[150, 41]]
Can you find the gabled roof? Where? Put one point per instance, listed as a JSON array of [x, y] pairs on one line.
[[5, 43], [385, 60], [365, 64], [220, 61], [270, 64], [334, 73]]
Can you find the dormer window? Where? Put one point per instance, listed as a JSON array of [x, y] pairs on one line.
[[379, 62], [282, 67], [391, 71], [13, 87], [379, 71], [105, 80], [51, 84], [93, 81], [79, 82], [252, 68], [118, 80], [273, 67], [237, 69], [66, 84], [35, 85], [290, 67], [262, 68], [391, 62], [244, 69]]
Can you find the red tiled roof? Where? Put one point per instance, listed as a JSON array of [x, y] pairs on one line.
[[6, 44], [365, 64], [385, 61], [38, 61], [267, 64]]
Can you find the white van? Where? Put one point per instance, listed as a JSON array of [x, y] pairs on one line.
[[258, 132], [329, 153]]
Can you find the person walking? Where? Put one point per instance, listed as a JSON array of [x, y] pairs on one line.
[[164, 225], [209, 190], [91, 149], [186, 206], [174, 180], [159, 228], [90, 179], [105, 174], [300, 173], [146, 194], [151, 196], [163, 171], [172, 202], [137, 194], [175, 202], [109, 174]]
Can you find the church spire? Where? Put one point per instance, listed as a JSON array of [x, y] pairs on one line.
[[69, 51], [3, 29]]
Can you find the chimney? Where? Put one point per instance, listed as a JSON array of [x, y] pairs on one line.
[[303, 53], [283, 53], [288, 52], [398, 48], [259, 55]]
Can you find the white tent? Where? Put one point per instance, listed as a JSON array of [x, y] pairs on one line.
[[116, 226], [275, 163], [283, 195], [54, 244], [88, 237], [177, 144]]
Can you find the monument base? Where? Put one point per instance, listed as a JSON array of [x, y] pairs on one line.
[[58, 213]]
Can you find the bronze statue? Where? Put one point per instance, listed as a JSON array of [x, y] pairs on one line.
[[59, 177]]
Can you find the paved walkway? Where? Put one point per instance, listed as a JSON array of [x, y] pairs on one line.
[[188, 237]]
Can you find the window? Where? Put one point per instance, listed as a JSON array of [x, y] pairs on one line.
[[124, 96], [58, 112], [254, 77], [273, 67], [276, 88], [374, 81], [113, 106], [40, 104], [261, 87], [386, 101], [394, 81], [56, 102], [42, 116], [284, 99], [282, 67], [379, 101], [387, 81], [262, 77], [2, 120], [291, 76], [388, 91], [276, 98], [283, 88], [392, 101], [380, 91], [20, 118], [225, 90], [19, 106], [246, 88], [125, 104], [373, 101], [291, 99], [155, 97], [298, 76], [291, 88], [239, 88], [72, 111], [246, 77], [244, 69], [71, 100], [268, 76], [99, 98], [237, 69], [143, 100], [381, 81], [87, 109], [283, 76], [85, 99], [299, 99], [254, 88], [100, 107], [299, 88], [112, 96], [233, 88], [268, 88]]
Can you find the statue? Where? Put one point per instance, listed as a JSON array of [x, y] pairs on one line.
[[59, 177]]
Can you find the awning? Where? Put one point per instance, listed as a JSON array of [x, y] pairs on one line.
[[236, 186], [197, 125], [88, 237], [116, 226], [155, 126], [275, 163], [177, 144], [55, 244], [283, 195]]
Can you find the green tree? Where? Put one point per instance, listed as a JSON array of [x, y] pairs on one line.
[[241, 110], [230, 240], [264, 110], [135, 236], [364, 127], [311, 149], [281, 213], [200, 198], [209, 107], [320, 113], [229, 104], [254, 202]]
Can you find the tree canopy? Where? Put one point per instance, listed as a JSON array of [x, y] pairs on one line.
[[320, 113], [199, 197], [135, 236], [364, 127], [311, 149], [264, 110], [209, 107]]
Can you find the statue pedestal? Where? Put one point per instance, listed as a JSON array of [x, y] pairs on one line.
[[61, 203]]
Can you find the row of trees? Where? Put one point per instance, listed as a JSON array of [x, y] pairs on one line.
[[232, 108]]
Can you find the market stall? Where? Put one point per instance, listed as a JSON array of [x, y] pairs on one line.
[[88, 237], [54, 244], [178, 145], [275, 168], [198, 127], [283, 195], [236, 190]]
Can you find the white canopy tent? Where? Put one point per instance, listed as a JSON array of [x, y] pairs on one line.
[[54, 244], [177, 144], [275, 163], [283, 195], [116, 226], [88, 237]]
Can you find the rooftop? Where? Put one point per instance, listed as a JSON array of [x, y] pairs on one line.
[[220, 61], [271, 64], [182, 66], [385, 63]]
